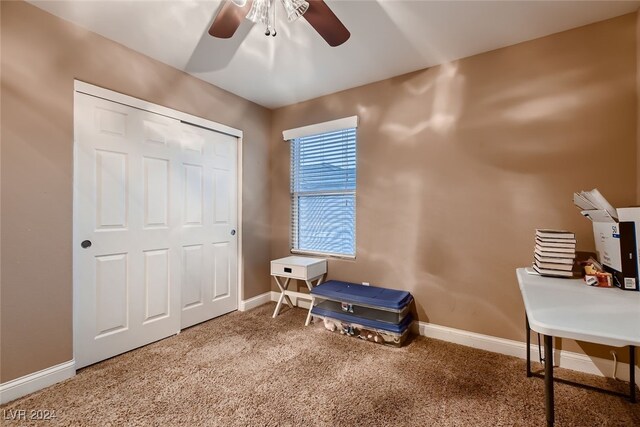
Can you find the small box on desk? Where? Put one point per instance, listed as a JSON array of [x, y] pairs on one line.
[[629, 245], [617, 244]]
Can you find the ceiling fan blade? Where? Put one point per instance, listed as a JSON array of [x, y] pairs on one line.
[[326, 23], [229, 19]]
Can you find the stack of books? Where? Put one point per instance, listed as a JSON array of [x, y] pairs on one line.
[[555, 253]]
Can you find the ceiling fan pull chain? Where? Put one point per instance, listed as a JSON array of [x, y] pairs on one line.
[[267, 32], [273, 18], [264, 17]]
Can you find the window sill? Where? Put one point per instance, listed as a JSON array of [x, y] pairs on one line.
[[324, 254]]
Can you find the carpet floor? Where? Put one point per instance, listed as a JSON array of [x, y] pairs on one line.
[[248, 369]]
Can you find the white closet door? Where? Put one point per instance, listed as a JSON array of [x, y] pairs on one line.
[[137, 196], [208, 237]]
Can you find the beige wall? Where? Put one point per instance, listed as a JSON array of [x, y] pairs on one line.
[[41, 56], [458, 164]]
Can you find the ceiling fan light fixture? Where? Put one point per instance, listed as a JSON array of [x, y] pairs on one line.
[[259, 12], [295, 8]]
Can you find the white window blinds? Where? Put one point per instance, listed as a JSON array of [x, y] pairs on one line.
[[323, 193]]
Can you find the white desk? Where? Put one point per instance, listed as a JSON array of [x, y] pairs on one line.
[[297, 267], [569, 308]]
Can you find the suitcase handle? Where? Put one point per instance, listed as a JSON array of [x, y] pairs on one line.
[[346, 307]]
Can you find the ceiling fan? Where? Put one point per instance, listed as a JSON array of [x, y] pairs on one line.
[[316, 12]]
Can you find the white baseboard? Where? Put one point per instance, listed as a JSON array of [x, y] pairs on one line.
[[562, 358], [254, 302], [22, 386]]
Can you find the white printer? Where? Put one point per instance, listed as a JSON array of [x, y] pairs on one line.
[[616, 237]]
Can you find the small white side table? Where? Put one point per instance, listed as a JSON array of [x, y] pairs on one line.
[[297, 267]]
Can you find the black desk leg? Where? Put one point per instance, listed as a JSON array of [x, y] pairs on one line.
[[632, 373], [548, 378], [528, 328]]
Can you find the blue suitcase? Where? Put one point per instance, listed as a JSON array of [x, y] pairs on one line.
[[368, 312]]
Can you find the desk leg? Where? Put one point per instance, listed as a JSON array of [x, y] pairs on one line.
[[548, 379], [528, 329], [632, 373]]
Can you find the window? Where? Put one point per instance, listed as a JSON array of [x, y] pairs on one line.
[[323, 193]]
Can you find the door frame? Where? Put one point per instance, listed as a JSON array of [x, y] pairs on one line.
[[80, 87]]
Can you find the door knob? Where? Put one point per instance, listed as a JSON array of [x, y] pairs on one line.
[[85, 244], [233, 232]]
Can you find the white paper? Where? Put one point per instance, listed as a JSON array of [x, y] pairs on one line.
[[598, 216], [580, 201], [597, 199]]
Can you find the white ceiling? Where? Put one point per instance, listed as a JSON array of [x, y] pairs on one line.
[[388, 38]]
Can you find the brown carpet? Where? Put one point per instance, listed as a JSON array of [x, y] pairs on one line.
[[249, 369]]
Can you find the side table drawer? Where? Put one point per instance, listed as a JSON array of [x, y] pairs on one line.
[[288, 270], [296, 267]]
